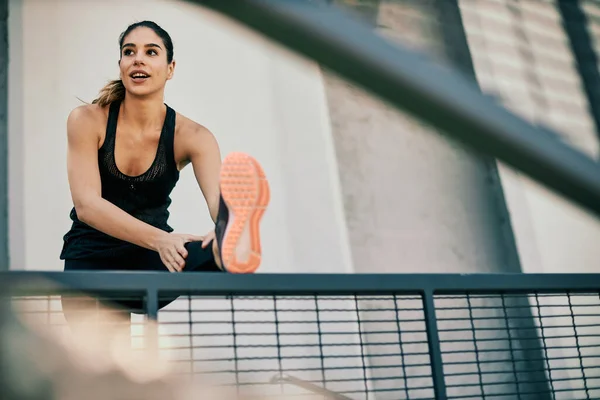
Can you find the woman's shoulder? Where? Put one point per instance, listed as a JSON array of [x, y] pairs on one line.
[[192, 138], [86, 122], [88, 114], [188, 128]]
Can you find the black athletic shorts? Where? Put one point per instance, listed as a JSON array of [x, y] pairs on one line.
[[140, 259]]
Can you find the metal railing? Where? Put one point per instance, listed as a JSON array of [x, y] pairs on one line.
[[441, 336]]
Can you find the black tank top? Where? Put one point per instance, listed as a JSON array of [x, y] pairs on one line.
[[146, 196]]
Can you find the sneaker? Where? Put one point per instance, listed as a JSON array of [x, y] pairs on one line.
[[244, 197]]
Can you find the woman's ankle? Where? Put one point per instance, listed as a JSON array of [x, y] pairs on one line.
[[215, 250]]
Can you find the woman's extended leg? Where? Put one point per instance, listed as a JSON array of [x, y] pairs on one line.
[[92, 311]]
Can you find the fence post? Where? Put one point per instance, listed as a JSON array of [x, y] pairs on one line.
[[4, 250], [433, 342], [151, 328]]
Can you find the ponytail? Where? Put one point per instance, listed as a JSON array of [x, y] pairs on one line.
[[113, 91]]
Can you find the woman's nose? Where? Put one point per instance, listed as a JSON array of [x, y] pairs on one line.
[[139, 57]]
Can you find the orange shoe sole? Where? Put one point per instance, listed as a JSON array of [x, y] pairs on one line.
[[246, 193]]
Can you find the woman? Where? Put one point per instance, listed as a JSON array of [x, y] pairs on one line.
[[125, 152]]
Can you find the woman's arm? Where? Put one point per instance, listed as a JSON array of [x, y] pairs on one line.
[[84, 181], [92, 209], [204, 154]]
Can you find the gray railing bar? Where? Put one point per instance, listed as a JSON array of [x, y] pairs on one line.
[[267, 284]]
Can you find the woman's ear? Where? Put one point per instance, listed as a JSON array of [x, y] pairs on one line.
[[171, 71]]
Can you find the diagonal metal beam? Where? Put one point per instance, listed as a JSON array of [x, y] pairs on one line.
[[436, 95]]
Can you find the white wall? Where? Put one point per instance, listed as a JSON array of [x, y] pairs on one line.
[[253, 95]]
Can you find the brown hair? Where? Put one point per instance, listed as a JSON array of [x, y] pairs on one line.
[[115, 90]]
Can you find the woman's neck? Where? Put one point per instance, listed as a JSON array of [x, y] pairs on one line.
[[143, 113]]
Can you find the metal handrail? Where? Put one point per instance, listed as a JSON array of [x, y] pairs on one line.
[[330, 394]]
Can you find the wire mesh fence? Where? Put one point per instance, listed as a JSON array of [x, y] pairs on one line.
[[537, 345], [493, 343], [352, 345]]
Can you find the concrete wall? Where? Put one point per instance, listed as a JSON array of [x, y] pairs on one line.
[[253, 96], [415, 201]]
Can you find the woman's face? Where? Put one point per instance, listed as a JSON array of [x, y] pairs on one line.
[[143, 64]]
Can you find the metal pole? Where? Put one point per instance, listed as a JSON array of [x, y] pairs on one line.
[[435, 350], [151, 327], [4, 254]]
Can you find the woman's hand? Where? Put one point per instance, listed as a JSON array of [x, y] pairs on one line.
[[172, 251], [206, 239]]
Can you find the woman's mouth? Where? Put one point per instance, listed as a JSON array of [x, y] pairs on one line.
[[139, 77]]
